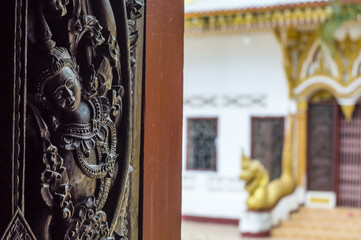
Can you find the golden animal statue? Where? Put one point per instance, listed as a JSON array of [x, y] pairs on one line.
[[264, 195], [257, 179]]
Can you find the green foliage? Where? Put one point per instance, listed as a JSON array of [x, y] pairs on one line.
[[341, 13]]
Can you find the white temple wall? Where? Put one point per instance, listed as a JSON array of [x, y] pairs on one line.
[[223, 67]]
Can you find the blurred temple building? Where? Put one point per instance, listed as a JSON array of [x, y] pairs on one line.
[[278, 81]]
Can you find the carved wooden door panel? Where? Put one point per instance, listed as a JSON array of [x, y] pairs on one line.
[[321, 146], [267, 143], [349, 171], [74, 96]]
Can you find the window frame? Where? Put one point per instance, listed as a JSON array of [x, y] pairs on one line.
[[283, 118], [188, 145]]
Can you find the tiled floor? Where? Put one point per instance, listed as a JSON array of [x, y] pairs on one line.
[[305, 224], [210, 231]]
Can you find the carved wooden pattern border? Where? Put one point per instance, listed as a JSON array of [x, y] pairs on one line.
[[19, 105], [18, 228]]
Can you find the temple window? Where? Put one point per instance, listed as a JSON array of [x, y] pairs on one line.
[[201, 143]]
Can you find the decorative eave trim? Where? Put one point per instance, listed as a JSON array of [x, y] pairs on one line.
[[255, 9], [256, 21], [324, 3], [307, 15]]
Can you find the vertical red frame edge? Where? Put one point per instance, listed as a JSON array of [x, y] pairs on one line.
[[161, 176]]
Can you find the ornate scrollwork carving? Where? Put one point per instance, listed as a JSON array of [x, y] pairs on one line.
[[134, 7], [88, 223], [55, 188], [57, 7], [87, 26]]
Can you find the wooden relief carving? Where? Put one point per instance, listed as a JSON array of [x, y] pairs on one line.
[[19, 228], [75, 101]]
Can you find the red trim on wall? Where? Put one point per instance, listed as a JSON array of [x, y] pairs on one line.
[[229, 221], [256, 235]]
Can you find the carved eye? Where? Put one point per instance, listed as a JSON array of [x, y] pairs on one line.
[[69, 83], [59, 94]]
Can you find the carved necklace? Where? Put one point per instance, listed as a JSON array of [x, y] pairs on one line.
[[98, 135]]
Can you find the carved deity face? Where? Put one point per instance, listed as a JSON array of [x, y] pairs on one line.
[[64, 90]]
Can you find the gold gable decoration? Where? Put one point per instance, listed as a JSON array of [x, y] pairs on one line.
[[305, 58], [314, 72]]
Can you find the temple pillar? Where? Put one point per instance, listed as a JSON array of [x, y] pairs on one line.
[[301, 142]]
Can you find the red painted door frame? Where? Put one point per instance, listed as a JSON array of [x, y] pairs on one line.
[[162, 120]]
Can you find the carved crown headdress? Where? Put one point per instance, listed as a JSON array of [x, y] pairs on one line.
[[56, 59]]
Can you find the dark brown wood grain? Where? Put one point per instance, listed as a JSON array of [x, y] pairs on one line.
[[163, 94]]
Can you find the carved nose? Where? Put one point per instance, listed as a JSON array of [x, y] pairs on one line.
[[68, 93], [69, 96]]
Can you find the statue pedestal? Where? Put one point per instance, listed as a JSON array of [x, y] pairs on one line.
[[260, 223], [255, 224]]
